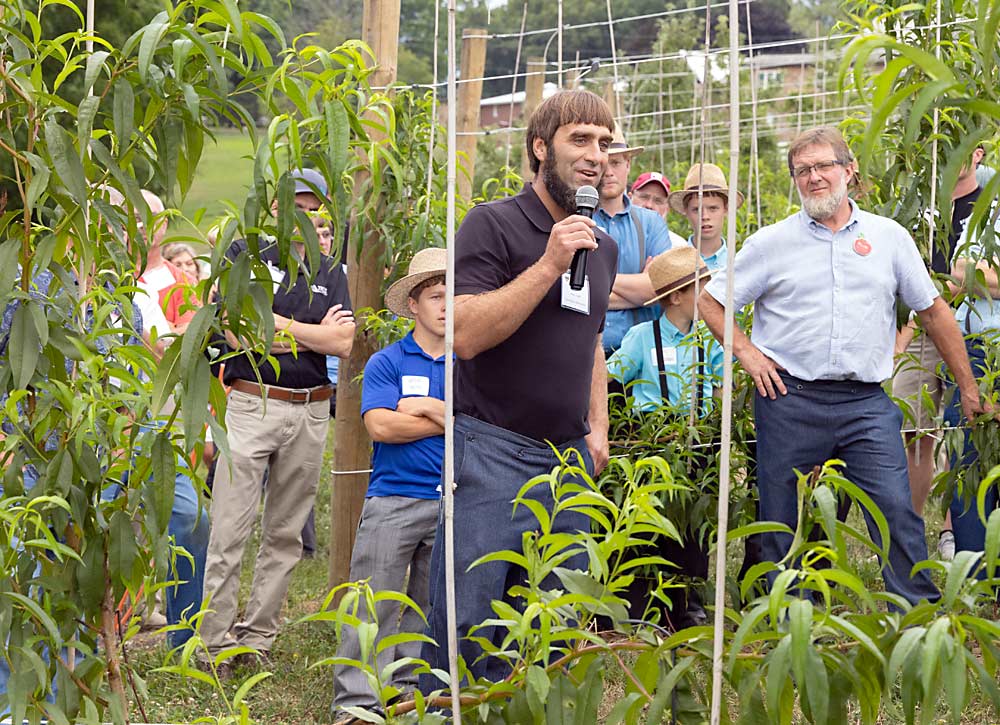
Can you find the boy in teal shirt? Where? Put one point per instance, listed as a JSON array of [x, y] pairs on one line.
[[663, 376]]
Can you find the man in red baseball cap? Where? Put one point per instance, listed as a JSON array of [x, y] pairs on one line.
[[650, 191]]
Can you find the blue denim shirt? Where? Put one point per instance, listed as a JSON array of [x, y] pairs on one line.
[[825, 308], [621, 228]]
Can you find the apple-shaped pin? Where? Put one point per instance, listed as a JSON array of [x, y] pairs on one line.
[[862, 246]]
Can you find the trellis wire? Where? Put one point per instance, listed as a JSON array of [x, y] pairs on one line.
[[513, 85]]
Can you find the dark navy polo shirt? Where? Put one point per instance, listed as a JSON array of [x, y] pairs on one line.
[[537, 381], [403, 370], [304, 301]]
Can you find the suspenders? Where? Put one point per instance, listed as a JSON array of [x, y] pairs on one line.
[[641, 234], [662, 368]]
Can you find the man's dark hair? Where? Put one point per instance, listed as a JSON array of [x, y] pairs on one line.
[[560, 109], [429, 282]]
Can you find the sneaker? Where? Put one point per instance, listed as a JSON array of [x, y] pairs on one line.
[[946, 545]]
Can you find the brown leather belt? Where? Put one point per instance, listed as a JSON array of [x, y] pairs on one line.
[[289, 395]]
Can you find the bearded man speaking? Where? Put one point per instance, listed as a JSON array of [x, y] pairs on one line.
[[531, 368], [824, 284]]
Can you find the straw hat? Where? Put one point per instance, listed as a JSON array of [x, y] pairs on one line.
[[707, 177], [618, 145], [674, 269], [427, 263]]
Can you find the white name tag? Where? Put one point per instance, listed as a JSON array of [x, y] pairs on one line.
[[576, 300], [277, 276], [416, 385], [669, 356]]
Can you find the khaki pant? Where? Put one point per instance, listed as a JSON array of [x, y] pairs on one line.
[[289, 438]]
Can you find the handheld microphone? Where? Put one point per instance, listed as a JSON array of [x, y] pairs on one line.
[[586, 202]]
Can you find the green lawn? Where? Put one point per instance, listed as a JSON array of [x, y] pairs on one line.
[[224, 174]]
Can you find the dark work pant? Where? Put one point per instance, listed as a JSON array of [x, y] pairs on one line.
[[859, 424], [491, 465]]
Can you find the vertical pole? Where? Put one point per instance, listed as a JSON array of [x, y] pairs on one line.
[[365, 271], [727, 374], [449, 383], [534, 87], [559, 42], [469, 95], [611, 97]]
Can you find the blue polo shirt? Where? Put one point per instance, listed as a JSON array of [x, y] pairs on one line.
[[621, 228], [825, 301], [635, 360], [399, 371]]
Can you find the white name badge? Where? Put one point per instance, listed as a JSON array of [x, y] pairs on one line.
[[576, 300], [669, 356], [416, 385], [277, 276]]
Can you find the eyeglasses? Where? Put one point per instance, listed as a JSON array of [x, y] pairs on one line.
[[802, 172]]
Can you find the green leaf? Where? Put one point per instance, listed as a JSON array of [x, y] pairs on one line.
[[194, 400], [66, 161], [23, 348], [247, 685], [953, 669], [122, 546], [151, 36], [800, 629], [591, 694], [123, 113], [338, 138], [538, 685], [165, 381], [817, 686], [95, 64], [163, 464], [778, 663], [623, 707], [958, 575]]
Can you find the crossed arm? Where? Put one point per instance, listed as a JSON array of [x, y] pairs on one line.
[[414, 418]]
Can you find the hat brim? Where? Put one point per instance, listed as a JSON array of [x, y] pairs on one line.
[[627, 150], [399, 291], [680, 284], [678, 199]]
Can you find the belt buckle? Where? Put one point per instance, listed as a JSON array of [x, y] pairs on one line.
[[301, 396]]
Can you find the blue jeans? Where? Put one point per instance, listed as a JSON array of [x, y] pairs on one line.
[[491, 465], [189, 526], [970, 533], [859, 424]]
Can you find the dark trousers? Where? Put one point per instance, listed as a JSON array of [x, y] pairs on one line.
[[859, 424], [970, 533], [491, 465]]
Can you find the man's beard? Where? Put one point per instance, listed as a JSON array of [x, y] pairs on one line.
[[824, 207], [562, 193]]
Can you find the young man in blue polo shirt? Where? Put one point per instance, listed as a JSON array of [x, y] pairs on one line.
[[402, 402], [661, 357]]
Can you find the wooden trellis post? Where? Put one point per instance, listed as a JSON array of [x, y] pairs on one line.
[[365, 271], [534, 87], [470, 92]]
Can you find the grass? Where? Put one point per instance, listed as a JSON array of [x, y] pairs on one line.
[[224, 174]]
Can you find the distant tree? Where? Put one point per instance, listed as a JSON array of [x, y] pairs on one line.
[[806, 15]]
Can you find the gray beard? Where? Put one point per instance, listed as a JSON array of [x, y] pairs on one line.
[[825, 207]]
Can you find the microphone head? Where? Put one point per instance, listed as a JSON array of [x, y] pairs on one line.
[[587, 198]]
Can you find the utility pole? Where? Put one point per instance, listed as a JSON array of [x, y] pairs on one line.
[[470, 92], [534, 86], [352, 449]]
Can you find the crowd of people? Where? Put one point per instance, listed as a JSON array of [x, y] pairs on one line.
[[536, 363]]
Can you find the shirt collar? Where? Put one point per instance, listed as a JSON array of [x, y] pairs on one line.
[[669, 331], [814, 225], [534, 209], [411, 347], [720, 250], [624, 212]]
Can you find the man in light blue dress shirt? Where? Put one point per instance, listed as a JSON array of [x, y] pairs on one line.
[[824, 283], [641, 234]]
